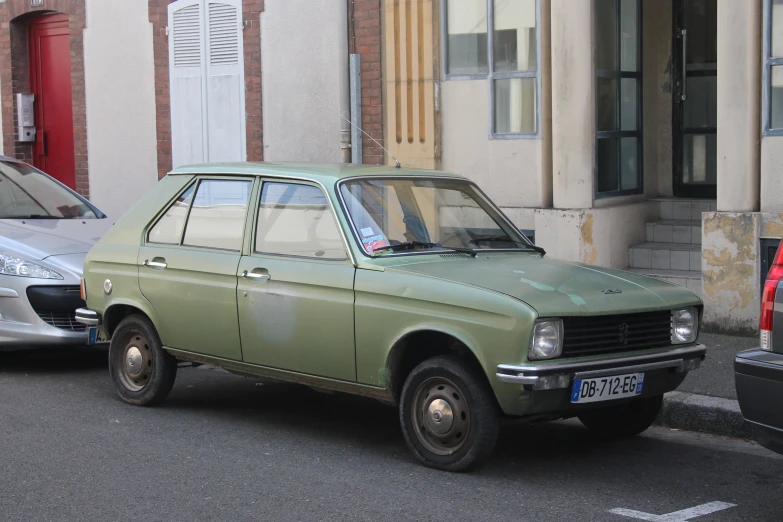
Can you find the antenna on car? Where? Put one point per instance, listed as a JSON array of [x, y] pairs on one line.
[[362, 131]]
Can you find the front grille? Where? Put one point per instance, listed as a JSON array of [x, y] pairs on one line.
[[56, 305], [63, 321], [616, 333]]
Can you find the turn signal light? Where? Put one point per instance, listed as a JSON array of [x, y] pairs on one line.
[[774, 277], [83, 289]]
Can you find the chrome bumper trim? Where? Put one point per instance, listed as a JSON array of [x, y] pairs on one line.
[[681, 359], [87, 317]]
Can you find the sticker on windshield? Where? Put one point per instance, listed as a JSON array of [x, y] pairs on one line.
[[367, 231], [371, 243]]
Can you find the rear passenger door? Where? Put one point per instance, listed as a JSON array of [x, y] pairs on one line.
[[188, 265], [295, 293]]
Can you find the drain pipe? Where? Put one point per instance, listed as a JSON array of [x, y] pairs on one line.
[[345, 93]]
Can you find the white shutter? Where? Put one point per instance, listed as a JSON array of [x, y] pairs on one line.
[[225, 74], [187, 59]]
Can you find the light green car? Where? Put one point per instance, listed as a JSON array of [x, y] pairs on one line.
[[407, 286]]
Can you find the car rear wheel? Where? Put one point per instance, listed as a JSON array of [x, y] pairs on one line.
[[625, 420], [448, 415], [142, 370]]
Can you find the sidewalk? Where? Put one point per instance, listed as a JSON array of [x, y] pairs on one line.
[[707, 400]]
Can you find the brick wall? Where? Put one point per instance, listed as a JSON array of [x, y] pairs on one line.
[[251, 10], [14, 75], [365, 40]]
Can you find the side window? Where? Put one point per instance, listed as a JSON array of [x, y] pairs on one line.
[[296, 220], [168, 231], [217, 218]]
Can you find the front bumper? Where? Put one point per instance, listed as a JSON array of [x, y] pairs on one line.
[[759, 379], [36, 312], [533, 376]]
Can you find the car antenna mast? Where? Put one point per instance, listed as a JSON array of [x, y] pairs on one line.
[[396, 161]]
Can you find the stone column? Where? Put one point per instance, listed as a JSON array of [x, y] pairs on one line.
[[739, 102], [573, 103]]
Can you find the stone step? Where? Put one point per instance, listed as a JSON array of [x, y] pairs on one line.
[[690, 279], [674, 231], [666, 256], [674, 208]]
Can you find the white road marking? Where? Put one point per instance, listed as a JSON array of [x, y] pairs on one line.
[[677, 516]]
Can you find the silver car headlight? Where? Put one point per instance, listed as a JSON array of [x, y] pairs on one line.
[[547, 342], [685, 325], [16, 266]]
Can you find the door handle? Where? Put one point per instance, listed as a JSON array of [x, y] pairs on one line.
[[155, 264], [256, 276], [684, 33]]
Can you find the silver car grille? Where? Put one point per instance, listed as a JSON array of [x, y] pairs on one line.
[[63, 321]]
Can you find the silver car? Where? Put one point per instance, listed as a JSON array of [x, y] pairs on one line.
[[46, 229]]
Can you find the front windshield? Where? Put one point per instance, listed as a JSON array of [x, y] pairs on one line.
[[391, 215], [28, 193]]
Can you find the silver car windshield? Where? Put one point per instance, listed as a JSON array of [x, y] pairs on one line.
[[392, 215], [28, 193]]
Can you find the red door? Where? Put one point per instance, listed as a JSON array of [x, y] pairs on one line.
[[50, 82]]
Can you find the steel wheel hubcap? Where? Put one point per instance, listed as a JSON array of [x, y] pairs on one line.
[[441, 416], [134, 362]]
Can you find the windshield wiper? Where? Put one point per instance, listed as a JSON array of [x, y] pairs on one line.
[[32, 216], [409, 245], [509, 240]]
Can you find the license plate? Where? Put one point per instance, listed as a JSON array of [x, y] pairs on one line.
[[607, 388], [96, 336]]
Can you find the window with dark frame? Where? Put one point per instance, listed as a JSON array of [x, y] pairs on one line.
[[497, 40], [773, 68], [618, 88]]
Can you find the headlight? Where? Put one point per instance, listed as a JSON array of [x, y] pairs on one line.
[[685, 325], [547, 340], [14, 266]]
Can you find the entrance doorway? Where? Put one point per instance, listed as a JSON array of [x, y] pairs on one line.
[[50, 81], [694, 81]]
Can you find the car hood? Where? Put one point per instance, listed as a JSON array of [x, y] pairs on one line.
[[38, 239], [555, 288]]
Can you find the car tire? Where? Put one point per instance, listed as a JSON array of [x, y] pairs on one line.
[[625, 420], [448, 415], [142, 370]]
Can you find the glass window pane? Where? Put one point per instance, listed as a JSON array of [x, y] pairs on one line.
[[467, 36], [701, 105], [776, 98], [296, 220], [168, 230], [701, 20], [629, 106], [515, 106], [606, 35], [629, 35], [629, 163], [515, 35], [700, 159], [776, 22], [217, 219], [606, 100], [607, 165]]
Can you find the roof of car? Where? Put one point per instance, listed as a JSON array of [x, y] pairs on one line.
[[323, 172]]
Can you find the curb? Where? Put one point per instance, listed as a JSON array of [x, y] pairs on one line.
[[702, 413]]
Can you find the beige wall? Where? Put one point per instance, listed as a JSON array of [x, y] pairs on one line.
[[739, 100], [120, 96], [573, 102], [509, 171]]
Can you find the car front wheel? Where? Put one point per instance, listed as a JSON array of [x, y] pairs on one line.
[[625, 420], [142, 370], [448, 415]]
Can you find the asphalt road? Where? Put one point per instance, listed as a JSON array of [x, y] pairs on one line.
[[226, 448], [716, 375]]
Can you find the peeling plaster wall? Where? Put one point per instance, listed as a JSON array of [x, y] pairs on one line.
[[771, 225], [730, 271], [593, 236]]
